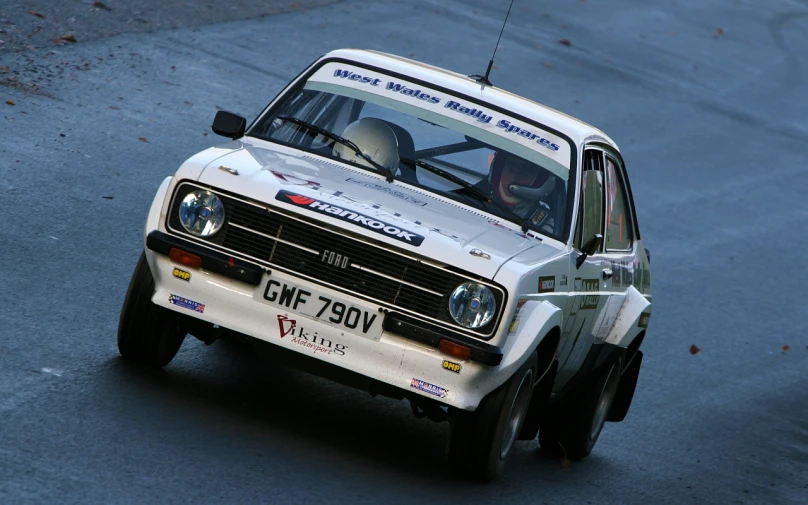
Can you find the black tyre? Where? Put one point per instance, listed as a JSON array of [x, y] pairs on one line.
[[481, 441], [146, 332], [573, 428]]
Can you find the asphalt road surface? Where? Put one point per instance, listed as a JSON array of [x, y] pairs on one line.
[[708, 100]]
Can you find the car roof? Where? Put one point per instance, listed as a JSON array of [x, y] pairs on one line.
[[576, 129]]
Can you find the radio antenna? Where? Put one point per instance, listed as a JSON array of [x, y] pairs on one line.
[[483, 79]]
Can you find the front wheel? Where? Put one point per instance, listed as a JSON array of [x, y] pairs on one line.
[[482, 441], [146, 332], [572, 429]]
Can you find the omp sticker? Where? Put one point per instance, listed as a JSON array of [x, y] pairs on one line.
[[181, 274], [361, 220], [185, 303], [429, 388], [451, 366], [546, 284]]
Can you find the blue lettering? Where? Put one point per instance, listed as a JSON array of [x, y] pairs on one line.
[[394, 87], [503, 123], [342, 73], [451, 104]]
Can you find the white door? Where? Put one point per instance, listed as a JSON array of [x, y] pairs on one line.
[[589, 282]]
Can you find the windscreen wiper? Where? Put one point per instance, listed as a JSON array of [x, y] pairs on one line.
[[386, 172], [471, 188]]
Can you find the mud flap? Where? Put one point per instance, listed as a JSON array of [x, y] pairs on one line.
[[625, 391], [539, 403]]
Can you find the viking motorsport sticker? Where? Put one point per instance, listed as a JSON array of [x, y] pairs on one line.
[[429, 388], [361, 220], [181, 274], [186, 303]]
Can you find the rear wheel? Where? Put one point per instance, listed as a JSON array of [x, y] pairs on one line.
[[482, 441], [146, 332], [573, 429]]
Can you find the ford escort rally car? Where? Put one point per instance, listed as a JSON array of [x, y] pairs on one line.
[[416, 233]]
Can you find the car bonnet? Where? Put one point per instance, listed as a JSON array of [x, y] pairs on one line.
[[407, 218]]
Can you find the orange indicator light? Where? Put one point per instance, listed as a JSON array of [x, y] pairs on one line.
[[184, 258]]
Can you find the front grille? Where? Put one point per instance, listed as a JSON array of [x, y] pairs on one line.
[[372, 271]]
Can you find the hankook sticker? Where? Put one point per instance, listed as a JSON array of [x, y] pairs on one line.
[[350, 216]]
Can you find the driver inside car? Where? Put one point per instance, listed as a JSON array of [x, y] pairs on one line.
[[523, 187]]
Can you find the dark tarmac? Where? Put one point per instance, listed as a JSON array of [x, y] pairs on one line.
[[707, 99]]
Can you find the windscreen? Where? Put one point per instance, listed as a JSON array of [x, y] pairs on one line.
[[495, 162]]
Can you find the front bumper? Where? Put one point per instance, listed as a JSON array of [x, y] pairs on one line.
[[223, 291]]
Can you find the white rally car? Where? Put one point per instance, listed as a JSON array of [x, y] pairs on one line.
[[416, 233]]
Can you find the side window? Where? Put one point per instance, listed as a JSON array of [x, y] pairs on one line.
[[619, 233], [590, 214]]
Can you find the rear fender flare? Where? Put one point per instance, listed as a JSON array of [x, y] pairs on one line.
[[631, 320]]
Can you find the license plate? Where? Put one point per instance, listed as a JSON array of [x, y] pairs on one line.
[[325, 308]]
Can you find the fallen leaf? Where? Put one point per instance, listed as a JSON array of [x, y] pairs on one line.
[[107, 197], [142, 139], [35, 13], [694, 349], [68, 38], [113, 107], [100, 5], [186, 102], [565, 42], [566, 463], [548, 65], [785, 347], [10, 102], [4, 69]]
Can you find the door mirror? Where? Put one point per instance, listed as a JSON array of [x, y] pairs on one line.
[[229, 125], [591, 247]]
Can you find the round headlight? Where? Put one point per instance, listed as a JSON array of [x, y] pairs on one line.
[[472, 305], [201, 213]]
